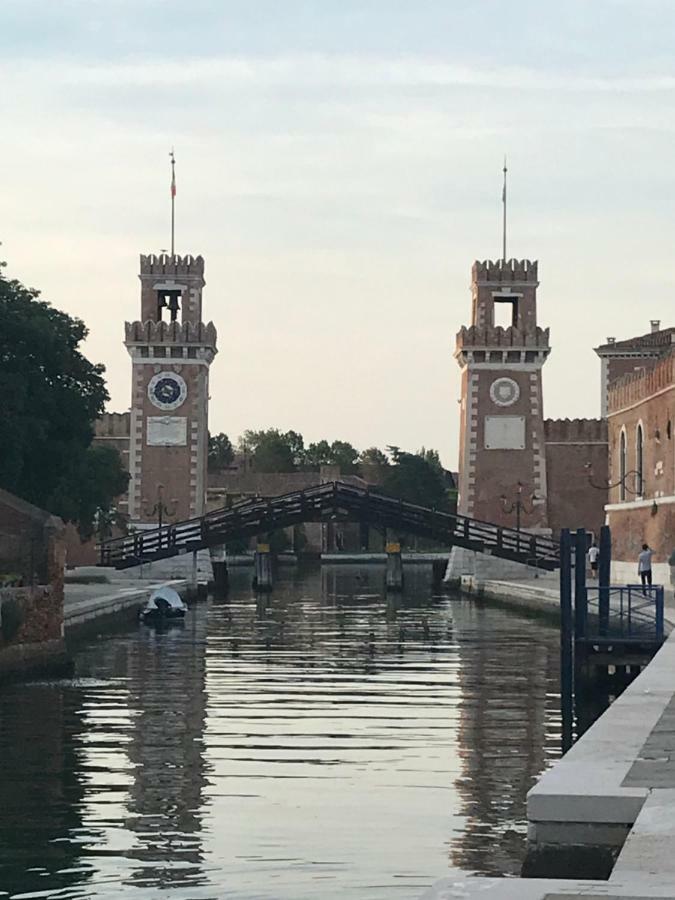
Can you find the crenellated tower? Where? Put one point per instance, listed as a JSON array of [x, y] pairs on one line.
[[171, 350], [501, 354]]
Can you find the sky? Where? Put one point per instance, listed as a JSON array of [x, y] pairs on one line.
[[339, 168]]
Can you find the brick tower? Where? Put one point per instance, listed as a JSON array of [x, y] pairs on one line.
[[171, 350], [502, 452]]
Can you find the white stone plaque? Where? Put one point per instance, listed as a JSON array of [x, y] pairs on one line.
[[167, 431], [504, 433]]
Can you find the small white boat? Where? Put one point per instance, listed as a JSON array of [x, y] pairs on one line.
[[163, 605]]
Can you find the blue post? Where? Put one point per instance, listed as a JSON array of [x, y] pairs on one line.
[[659, 612], [566, 646], [604, 569], [580, 592]]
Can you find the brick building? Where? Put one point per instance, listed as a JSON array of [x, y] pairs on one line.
[[641, 419]]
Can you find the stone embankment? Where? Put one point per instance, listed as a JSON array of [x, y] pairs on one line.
[[96, 597], [601, 821]]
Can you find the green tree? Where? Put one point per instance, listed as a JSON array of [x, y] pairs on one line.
[[317, 455], [344, 455], [339, 453], [373, 456], [273, 450], [415, 477], [221, 452], [51, 397]]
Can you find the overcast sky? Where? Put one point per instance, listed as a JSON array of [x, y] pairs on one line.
[[339, 168]]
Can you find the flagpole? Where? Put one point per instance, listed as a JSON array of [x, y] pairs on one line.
[[504, 213], [173, 199]]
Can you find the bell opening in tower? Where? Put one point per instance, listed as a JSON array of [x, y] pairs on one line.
[[505, 311], [169, 301]]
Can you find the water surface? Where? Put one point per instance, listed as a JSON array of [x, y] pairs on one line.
[[322, 741]]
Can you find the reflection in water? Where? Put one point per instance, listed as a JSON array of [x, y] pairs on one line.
[[323, 740], [509, 731]]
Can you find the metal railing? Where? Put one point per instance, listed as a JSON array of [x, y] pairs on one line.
[[631, 613]]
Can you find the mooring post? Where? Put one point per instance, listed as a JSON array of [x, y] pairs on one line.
[[194, 582], [580, 592], [566, 644], [394, 574], [604, 574], [221, 579], [262, 579], [580, 615]]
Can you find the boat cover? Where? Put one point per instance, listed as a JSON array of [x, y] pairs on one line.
[[168, 595]]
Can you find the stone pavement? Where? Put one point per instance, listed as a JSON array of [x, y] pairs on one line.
[[84, 602]]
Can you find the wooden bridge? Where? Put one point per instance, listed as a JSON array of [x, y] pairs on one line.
[[334, 500]]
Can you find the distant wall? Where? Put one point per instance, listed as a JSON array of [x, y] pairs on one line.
[[571, 444], [32, 558]]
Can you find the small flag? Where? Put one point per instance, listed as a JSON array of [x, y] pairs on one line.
[[173, 174]]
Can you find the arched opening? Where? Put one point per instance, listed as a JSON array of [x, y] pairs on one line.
[[622, 466], [639, 448]]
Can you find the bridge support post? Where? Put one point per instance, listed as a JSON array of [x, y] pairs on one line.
[[262, 578], [394, 573], [221, 578]]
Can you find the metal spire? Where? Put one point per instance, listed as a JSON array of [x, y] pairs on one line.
[[173, 198], [504, 213]]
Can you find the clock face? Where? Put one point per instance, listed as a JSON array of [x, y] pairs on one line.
[[167, 390]]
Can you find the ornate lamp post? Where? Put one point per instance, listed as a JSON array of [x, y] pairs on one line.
[[160, 509], [519, 506], [624, 481]]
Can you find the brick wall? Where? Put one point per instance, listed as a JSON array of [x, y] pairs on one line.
[[645, 400], [571, 444], [31, 613]]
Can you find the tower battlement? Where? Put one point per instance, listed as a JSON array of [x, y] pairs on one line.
[[575, 431], [165, 265], [151, 332], [489, 336], [505, 271]]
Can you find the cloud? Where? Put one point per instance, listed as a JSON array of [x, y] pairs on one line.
[[314, 72]]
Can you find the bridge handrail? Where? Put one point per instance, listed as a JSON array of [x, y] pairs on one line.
[[254, 513]]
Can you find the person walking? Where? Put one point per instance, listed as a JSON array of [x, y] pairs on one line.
[[645, 567], [593, 556]]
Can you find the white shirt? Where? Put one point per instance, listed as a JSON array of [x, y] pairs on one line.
[[645, 561], [593, 554]]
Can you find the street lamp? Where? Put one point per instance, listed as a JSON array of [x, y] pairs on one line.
[[624, 481], [160, 509], [519, 506]]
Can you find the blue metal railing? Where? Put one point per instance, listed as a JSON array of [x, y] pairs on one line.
[[635, 613]]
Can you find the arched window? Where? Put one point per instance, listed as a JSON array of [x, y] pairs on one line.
[[622, 466], [639, 443]]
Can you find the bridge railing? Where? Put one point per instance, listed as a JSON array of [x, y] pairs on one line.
[[258, 515]]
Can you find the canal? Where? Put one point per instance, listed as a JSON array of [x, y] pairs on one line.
[[322, 741]]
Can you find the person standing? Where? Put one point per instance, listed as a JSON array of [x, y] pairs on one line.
[[593, 556], [645, 567]]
